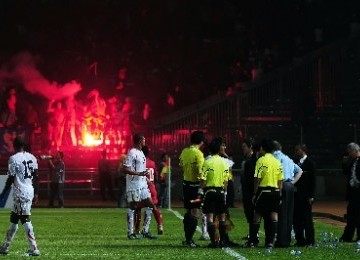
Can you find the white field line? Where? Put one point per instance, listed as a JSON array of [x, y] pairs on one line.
[[227, 250]]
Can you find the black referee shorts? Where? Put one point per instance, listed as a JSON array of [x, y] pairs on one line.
[[214, 201], [267, 200], [190, 192]]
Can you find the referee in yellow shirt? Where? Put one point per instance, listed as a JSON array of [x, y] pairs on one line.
[[191, 162], [268, 179], [213, 183]]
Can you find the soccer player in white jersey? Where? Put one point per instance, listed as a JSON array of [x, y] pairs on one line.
[[136, 186], [22, 176]]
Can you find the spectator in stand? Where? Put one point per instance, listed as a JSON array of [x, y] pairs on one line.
[[170, 102], [97, 110], [31, 121], [57, 179], [121, 79], [71, 124], [146, 111], [240, 74], [56, 124], [126, 112], [8, 117]]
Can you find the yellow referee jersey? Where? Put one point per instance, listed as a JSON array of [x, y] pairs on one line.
[[269, 170], [191, 161], [215, 171]]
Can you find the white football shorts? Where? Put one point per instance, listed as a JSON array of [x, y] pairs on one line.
[[22, 206], [138, 195]]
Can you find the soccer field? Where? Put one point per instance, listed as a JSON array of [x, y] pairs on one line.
[[101, 234]]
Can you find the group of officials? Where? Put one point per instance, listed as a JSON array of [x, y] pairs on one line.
[[275, 189]]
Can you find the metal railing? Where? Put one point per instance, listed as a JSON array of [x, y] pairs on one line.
[[76, 179], [282, 97]]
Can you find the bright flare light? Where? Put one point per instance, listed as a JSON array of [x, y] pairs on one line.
[[89, 140]]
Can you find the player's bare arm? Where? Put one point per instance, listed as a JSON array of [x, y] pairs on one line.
[[127, 170]]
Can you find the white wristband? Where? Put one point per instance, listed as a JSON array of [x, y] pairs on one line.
[[200, 191]]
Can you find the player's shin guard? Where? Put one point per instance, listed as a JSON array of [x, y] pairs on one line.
[[272, 230], [30, 236], [130, 221], [211, 231], [147, 220], [204, 225]]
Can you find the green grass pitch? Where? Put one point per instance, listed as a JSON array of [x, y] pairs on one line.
[[101, 234]]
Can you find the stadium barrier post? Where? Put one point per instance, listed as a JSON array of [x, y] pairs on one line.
[[169, 188]]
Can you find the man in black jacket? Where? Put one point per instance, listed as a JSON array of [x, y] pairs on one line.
[[352, 170], [304, 196], [247, 178]]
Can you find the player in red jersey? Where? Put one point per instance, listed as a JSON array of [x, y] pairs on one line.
[[151, 177]]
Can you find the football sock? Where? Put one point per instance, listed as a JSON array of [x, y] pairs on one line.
[[137, 219], [190, 223], [192, 226], [222, 230], [10, 234], [158, 216], [211, 231], [147, 220], [130, 221], [272, 232], [254, 229], [186, 226], [30, 236], [204, 224]]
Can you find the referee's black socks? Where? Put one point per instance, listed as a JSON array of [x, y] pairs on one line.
[[190, 224], [222, 230], [270, 238], [254, 229], [211, 231]]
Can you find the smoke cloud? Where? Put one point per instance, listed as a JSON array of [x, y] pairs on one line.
[[22, 69]]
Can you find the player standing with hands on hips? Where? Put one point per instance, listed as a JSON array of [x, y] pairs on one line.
[[136, 186], [23, 177]]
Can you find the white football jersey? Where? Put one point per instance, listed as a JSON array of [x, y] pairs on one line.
[[22, 165], [136, 161]]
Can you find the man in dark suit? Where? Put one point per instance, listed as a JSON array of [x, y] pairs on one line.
[[247, 178], [351, 168], [304, 196]]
